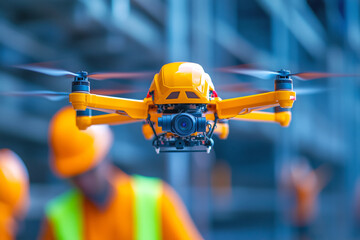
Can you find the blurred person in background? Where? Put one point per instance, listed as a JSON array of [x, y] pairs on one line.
[[221, 185], [357, 209], [303, 184], [14, 193], [106, 203]]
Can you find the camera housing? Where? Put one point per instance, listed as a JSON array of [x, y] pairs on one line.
[[182, 124]]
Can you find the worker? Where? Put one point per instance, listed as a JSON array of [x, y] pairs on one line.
[[304, 185], [106, 203], [14, 193]]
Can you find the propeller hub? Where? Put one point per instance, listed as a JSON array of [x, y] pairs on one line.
[[283, 74], [81, 82], [81, 75]]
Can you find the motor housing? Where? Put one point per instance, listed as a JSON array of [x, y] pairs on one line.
[[283, 81]]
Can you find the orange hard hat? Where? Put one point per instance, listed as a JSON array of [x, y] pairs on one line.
[[74, 151], [14, 183]]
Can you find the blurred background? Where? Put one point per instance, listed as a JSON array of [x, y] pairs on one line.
[[264, 181]]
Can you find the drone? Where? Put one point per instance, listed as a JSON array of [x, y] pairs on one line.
[[182, 110]]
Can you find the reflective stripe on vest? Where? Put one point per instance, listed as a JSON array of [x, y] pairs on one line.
[[147, 208], [65, 212], [65, 215]]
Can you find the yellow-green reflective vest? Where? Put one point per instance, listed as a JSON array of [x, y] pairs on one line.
[[65, 212]]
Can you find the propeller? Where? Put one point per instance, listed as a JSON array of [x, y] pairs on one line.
[[119, 75], [264, 74], [115, 91], [50, 95], [96, 76], [310, 91], [246, 87], [236, 87], [57, 96], [46, 70]]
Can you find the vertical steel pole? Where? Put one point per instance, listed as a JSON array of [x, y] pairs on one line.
[[178, 164], [202, 53], [280, 45], [350, 109]]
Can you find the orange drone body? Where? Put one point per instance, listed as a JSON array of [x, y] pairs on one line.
[[185, 89]]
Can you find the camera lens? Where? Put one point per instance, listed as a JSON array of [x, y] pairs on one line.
[[184, 124]]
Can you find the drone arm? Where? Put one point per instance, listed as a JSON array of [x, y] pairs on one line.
[[136, 109], [283, 118], [232, 107], [83, 122]]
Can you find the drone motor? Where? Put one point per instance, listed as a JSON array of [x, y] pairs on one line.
[[283, 81]]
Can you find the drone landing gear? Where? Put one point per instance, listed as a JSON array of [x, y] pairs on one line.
[[161, 150], [182, 144]]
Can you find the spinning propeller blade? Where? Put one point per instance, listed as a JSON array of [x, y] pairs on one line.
[[46, 70], [317, 75], [56, 96], [246, 87], [115, 91], [264, 74], [119, 75], [310, 91], [238, 87], [50, 95], [96, 76]]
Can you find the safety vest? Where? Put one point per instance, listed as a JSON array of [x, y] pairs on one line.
[[65, 212]]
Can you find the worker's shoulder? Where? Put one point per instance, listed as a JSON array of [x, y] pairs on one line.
[[120, 178], [132, 181], [140, 184], [146, 179], [153, 186]]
